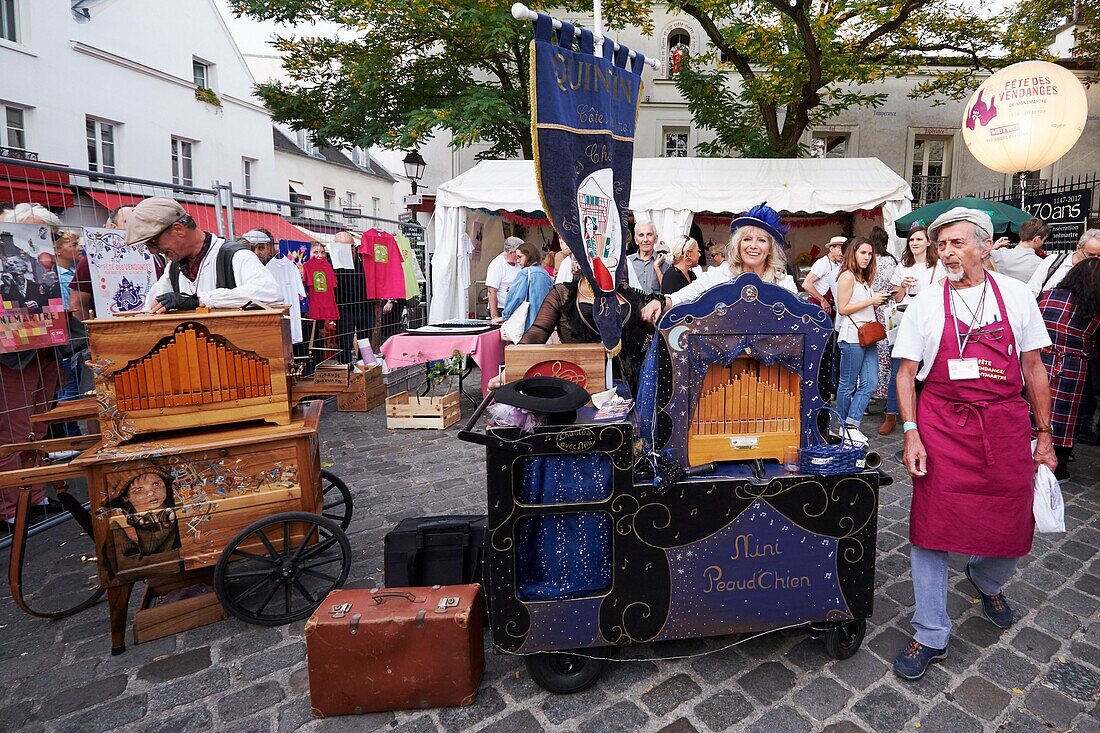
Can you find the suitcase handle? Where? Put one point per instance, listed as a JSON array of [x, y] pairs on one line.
[[382, 595]]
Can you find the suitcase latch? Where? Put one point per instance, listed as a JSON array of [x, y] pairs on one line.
[[339, 610], [447, 602]]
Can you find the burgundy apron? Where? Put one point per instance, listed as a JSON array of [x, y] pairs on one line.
[[976, 497]]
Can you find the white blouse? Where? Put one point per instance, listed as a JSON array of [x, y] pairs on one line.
[[849, 325]]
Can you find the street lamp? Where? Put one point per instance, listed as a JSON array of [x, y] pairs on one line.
[[414, 168]]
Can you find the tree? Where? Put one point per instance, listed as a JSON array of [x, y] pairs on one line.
[[401, 70], [801, 62]]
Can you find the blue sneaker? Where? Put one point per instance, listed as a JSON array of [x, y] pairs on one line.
[[913, 661], [995, 608]]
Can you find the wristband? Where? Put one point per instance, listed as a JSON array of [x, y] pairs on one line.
[[1044, 430], [907, 426]]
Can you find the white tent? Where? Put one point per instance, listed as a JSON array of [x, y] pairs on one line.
[[668, 191]]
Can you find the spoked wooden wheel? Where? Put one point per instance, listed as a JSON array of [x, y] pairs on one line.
[[336, 499], [280, 568]]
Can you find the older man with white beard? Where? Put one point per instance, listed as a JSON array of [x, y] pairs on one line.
[[974, 341]]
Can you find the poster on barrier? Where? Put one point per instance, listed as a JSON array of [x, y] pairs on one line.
[[32, 314], [121, 276]]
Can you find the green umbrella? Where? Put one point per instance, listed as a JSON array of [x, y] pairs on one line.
[[1005, 218]]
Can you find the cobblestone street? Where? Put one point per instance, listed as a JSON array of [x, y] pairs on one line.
[[1042, 674]]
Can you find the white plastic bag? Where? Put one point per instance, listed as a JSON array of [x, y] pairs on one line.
[[1047, 504]]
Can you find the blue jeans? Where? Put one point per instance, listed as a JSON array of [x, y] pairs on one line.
[[858, 378], [930, 619], [892, 388]]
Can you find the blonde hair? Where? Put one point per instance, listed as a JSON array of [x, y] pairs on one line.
[[775, 269], [681, 247]]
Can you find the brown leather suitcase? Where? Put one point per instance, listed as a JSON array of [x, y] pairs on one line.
[[394, 649]]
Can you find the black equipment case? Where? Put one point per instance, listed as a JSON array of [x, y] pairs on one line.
[[426, 551]]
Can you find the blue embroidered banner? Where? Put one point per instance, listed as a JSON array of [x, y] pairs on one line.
[[583, 112]]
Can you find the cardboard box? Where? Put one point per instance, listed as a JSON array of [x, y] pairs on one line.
[[365, 392]]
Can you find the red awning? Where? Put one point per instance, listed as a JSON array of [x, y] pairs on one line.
[[22, 185], [207, 217]]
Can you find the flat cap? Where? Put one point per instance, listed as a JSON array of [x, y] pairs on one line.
[[151, 217], [957, 214], [511, 244]]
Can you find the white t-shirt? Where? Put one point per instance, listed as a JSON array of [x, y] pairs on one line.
[[290, 283], [500, 276], [922, 273], [826, 272], [919, 335], [1041, 272], [717, 276], [565, 271], [848, 326], [1019, 262]]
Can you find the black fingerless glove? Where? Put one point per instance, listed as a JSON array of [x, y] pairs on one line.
[[178, 301]]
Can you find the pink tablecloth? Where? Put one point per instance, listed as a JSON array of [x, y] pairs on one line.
[[486, 349]]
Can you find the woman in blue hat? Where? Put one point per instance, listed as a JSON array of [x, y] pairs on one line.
[[756, 246]]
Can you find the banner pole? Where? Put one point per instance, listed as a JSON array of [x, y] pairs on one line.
[[597, 21], [522, 12]]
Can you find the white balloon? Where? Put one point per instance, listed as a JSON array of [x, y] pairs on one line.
[[1025, 117]]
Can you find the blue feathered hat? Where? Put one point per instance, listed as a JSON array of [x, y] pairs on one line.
[[766, 218]]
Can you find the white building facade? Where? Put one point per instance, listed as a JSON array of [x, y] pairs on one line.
[[919, 141], [154, 90]]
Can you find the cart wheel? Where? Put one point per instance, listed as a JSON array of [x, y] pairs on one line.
[[843, 641], [337, 499], [280, 578], [563, 673]]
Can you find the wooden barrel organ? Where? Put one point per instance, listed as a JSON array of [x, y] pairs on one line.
[[186, 370]]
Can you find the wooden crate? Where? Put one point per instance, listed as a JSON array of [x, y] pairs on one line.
[[436, 413], [333, 374], [365, 392], [154, 622], [582, 364]]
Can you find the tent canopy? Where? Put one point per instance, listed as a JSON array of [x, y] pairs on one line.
[[810, 186], [668, 191]]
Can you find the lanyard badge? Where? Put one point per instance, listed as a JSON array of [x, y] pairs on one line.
[[963, 369]]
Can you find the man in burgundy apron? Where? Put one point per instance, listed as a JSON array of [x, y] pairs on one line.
[[968, 440]]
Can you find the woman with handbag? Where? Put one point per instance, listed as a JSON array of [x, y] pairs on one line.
[[859, 334], [528, 290]]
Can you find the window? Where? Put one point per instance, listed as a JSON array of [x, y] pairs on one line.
[[182, 173], [375, 205], [13, 135], [330, 204], [675, 142], [677, 47], [201, 73], [830, 145], [306, 142], [360, 158], [246, 175], [9, 20], [931, 169], [352, 200], [101, 145]]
